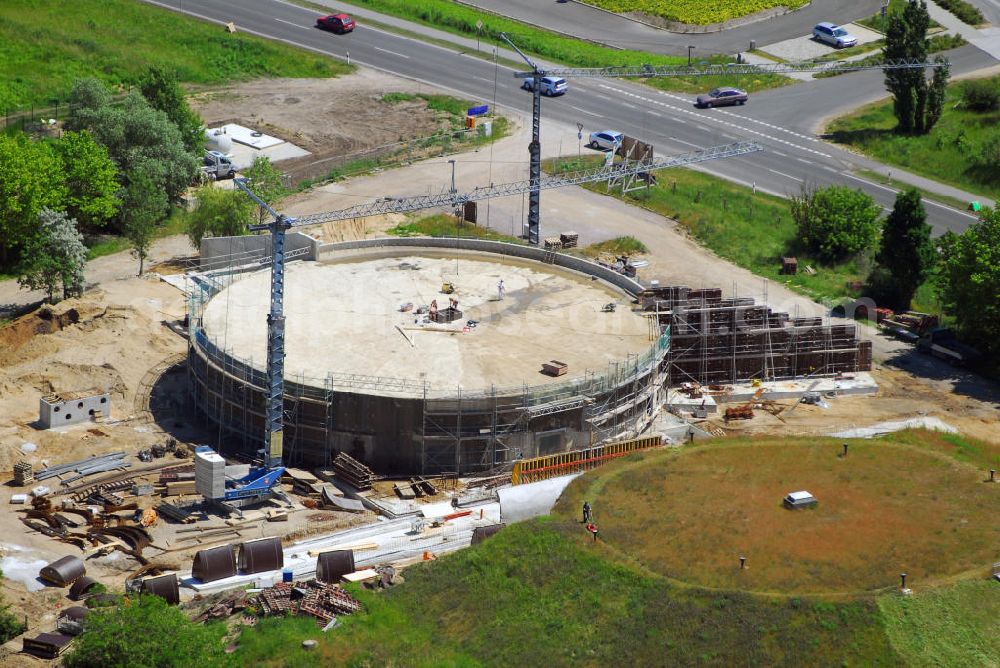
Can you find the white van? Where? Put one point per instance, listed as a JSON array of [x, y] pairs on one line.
[[550, 85]]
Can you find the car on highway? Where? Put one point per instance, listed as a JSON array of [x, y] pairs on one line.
[[720, 97], [833, 35], [338, 23], [606, 140], [550, 85]]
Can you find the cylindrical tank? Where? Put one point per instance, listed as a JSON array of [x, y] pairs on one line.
[[217, 140]]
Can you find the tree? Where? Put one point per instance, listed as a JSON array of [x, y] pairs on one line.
[[53, 257], [146, 633], [906, 254], [969, 281], [265, 181], [91, 178], [220, 213], [836, 222], [916, 103], [31, 179], [161, 90], [144, 205], [88, 94], [140, 140]]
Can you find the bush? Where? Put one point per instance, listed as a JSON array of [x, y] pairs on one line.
[[981, 95], [965, 12], [836, 222]]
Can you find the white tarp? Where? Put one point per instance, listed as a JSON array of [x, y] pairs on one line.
[[522, 502], [933, 423]]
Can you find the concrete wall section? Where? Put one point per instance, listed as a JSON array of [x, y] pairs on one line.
[[222, 252], [495, 247]]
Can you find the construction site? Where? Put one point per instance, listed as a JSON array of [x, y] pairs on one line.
[[432, 391]]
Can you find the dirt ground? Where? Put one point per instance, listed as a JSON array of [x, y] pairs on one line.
[[118, 335]]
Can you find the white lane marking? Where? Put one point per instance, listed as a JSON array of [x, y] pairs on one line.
[[626, 104], [746, 118], [830, 169], [686, 143], [714, 118], [653, 113], [484, 79], [783, 155], [295, 25], [925, 199], [584, 111], [787, 176], [401, 55], [808, 162]]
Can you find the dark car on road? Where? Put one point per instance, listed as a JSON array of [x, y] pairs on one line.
[[338, 23], [720, 97]]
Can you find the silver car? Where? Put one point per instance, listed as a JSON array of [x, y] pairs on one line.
[[833, 35]]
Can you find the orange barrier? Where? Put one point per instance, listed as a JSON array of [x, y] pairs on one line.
[[543, 468]]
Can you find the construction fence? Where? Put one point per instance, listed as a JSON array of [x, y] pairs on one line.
[[578, 461]]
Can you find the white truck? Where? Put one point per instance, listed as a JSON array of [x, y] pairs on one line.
[[217, 166]]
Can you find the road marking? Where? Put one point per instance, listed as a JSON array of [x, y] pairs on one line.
[[401, 55], [830, 169], [484, 79], [808, 162], [295, 25], [787, 176], [653, 113], [686, 143], [783, 155], [924, 199], [584, 111], [715, 118], [629, 105]]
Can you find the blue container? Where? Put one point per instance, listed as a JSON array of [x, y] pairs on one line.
[[286, 575]]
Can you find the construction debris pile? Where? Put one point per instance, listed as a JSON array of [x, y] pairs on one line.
[[322, 600], [105, 529]]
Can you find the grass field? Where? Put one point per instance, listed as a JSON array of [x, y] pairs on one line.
[[949, 626], [884, 509], [750, 230], [947, 154], [446, 225], [46, 44], [699, 12], [541, 593]]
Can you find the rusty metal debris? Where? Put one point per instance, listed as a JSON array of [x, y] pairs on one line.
[[321, 600]]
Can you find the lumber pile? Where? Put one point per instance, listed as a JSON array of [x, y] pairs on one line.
[[353, 472]]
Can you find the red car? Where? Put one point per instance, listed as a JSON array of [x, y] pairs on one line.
[[338, 23]]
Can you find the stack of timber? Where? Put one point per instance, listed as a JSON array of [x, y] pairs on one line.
[[353, 472]]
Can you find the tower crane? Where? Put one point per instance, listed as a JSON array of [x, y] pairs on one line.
[[649, 71], [261, 483]]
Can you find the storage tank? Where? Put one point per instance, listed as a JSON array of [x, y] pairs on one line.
[[216, 139]]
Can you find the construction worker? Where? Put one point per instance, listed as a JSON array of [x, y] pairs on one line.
[[586, 512], [501, 290]]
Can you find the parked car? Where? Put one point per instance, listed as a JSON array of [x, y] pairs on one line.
[[338, 23], [833, 35], [550, 85], [721, 97], [607, 140]]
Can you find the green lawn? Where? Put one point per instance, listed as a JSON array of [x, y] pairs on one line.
[[47, 44], [698, 12], [542, 593], [751, 230], [947, 154], [949, 626]]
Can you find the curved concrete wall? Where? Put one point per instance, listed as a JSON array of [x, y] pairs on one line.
[[496, 247]]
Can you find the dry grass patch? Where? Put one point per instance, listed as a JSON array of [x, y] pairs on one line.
[[886, 508]]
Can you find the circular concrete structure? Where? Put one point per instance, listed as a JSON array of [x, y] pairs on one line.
[[367, 373], [344, 317]]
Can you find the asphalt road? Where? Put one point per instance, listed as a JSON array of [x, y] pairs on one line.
[[591, 23], [782, 121]]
